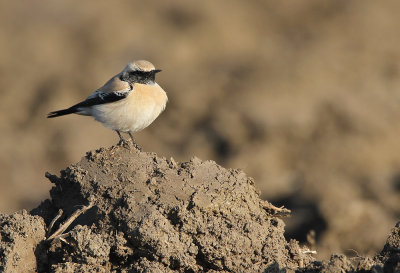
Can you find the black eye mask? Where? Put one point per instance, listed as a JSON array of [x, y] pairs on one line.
[[138, 76]]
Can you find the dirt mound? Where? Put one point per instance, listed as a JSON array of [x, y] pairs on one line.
[[138, 212], [150, 212]]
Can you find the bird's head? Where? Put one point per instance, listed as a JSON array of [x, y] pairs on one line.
[[140, 71]]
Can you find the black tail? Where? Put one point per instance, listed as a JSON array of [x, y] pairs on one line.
[[62, 112]]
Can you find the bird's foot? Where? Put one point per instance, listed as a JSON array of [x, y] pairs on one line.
[[137, 147], [126, 144], [123, 143]]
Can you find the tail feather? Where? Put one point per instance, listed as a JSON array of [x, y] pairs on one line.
[[62, 112]]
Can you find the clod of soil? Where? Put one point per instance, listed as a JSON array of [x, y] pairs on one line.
[[20, 236], [149, 214]]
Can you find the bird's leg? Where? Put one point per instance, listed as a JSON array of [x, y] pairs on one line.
[[121, 139], [134, 142]]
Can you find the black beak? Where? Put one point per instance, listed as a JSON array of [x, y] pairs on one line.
[[157, 70]]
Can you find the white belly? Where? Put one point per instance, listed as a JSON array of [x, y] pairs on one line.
[[134, 113]]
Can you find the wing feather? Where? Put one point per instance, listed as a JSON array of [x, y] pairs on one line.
[[113, 90]]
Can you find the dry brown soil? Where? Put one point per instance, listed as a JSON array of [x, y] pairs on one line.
[[152, 214], [304, 96]]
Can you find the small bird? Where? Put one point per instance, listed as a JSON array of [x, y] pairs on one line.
[[129, 102]]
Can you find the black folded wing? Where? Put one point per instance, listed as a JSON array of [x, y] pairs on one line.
[[102, 98], [96, 98]]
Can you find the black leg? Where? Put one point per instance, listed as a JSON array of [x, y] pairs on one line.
[[121, 139], [134, 142]]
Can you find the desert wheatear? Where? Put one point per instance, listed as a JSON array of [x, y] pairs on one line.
[[129, 102]]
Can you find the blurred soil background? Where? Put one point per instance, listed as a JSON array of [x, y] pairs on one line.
[[304, 96]]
